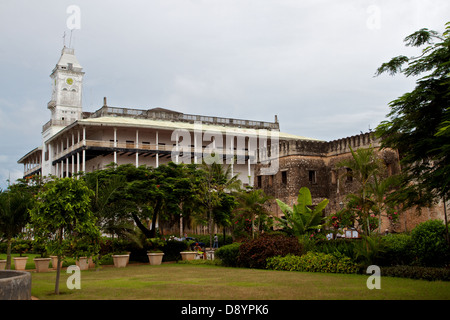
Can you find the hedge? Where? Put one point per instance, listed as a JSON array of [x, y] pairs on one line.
[[417, 272], [314, 262]]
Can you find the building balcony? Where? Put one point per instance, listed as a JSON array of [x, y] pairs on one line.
[[105, 147]]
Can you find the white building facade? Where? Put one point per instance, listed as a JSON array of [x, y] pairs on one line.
[[74, 141]]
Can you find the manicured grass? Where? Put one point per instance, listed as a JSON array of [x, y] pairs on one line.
[[203, 282]]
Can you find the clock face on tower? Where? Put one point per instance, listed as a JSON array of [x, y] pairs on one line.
[[69, 81]]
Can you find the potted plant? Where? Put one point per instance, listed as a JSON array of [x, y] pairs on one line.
[[154, 252], [189, 253], [120, 256], [55, 261], [20, 262], [121, 259], [82, 251], [43, 261]]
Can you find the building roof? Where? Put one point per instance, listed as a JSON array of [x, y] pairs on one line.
[[173, 125], [35, 150], [68, 56]]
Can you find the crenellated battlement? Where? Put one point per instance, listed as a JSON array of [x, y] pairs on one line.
[[343, 145], [327, 148]]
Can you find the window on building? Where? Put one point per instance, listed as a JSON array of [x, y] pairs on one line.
[[312, 176], [284, 177], [259, 181], [349, 175], [270, 180]]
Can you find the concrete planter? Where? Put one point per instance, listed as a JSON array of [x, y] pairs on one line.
[[2, 264], [83, 263], [20, 263], [42, 264], [155, 258], [121, 260], [55, 261], [91, 263], [15, 285], [188, 255]]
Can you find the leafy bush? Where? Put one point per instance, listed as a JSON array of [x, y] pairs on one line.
[[229, 254], [254, 253], [369, 250], [314, 262], [21, 246], [429, 244], [417, 272], [342, 246], [398, 250], [173, 248]]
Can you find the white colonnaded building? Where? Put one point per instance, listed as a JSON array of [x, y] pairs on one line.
[[74, 141]]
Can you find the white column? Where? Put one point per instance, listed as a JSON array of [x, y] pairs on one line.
[[67, 167], [249, 172], [176, 149], [83, 168], [115, 145], [73, 157], [157, 148], [232, 157], [84, 161], [78, 162], [195, 148], [50, 159], [137, 146]]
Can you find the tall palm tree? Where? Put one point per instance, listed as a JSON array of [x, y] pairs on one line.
[[251, 204], [216, 180], [364, 165]]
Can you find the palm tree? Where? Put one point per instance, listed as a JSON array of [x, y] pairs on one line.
[[251, 204], [363, 165], [216, 180], [380, 189]]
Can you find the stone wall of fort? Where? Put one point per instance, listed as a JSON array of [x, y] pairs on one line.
[[313, 164]]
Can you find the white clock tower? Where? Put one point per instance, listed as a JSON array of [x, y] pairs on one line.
[[65, 104], [67, 80]]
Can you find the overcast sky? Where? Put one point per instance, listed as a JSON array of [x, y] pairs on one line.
[[311, 63]]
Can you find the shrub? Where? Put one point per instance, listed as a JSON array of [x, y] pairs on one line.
[[173, 248], [254, 253], [342, 246], [398, 250], [228, 254], [429, 244], [314, 262], [417, 272]]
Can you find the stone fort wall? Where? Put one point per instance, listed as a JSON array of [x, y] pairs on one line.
[[312, 164]]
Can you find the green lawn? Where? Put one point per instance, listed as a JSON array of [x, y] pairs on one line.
[[204, 282]]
